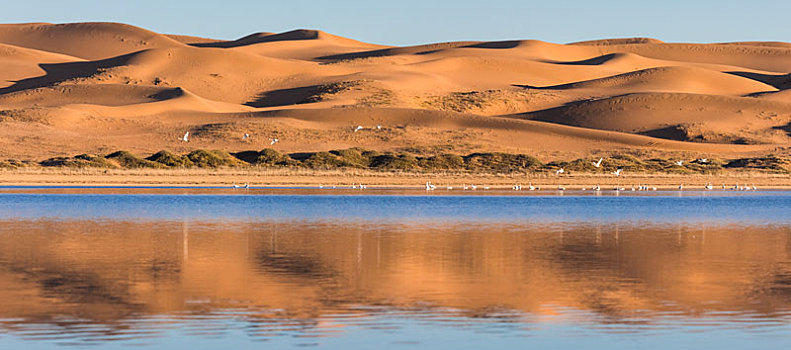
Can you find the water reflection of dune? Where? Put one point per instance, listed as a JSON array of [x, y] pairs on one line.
[[278, 274]]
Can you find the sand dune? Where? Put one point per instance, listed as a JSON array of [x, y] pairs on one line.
[[84, 40], [685, 117], [93, 87], [673, 79]]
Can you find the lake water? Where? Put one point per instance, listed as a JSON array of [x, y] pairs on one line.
[[280, 268]]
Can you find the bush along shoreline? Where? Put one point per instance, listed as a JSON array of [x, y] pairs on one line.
[[356, 158]]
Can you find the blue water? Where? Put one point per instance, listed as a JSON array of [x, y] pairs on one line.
[[727, 207], [182, 269]]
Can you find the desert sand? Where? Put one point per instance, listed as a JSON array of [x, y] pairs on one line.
[[67, 89]]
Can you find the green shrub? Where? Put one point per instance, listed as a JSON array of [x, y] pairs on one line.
[[212, 159], [171, 160], [79, 161], [390, 161], [130, 161], [501, 162]]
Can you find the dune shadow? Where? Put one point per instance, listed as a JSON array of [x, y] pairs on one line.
[[257, 38], [60, 72], [672, 132], [287, 97], [501, 45], [779, 81], [786, 128], [422, 49], [595, 61]]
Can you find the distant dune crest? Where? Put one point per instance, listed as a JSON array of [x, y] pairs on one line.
[[86, 87]]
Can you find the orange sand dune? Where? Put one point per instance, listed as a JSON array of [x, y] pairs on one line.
[[84, 40], [98, 87]]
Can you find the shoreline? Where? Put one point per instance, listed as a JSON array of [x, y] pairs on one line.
[[393, 180]]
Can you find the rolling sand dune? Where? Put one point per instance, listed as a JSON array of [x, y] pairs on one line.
[[77, 88]]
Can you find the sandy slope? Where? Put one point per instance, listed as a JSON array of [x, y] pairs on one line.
[[98, 87]]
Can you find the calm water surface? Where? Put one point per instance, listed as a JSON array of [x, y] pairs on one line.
[[208, 269]]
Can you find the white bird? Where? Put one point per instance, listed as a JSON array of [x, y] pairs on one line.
[[465, 187], [321, 186], [703, 160], [617, 172], [235, 185], [597, 188], [709, 187], [755, 188], [354, 186], [358, 128], [378, 127], [561, 188], [680, 163], [559, 171], [430, 187], [246, 136], [485, 187], [274, 141], [449, 188], [246, 185], [598, 164], [531, 187], [473, 187], [186, 136], [681, 187]]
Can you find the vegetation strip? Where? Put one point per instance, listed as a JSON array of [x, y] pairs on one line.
[[356, 158]]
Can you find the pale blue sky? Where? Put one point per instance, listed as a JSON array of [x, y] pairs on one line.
[[400, 22]]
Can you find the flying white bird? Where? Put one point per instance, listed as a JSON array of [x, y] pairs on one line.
[[186, 136], [703, 160], [358, 128], [246, 136], [680, 163], [274, 141], [598, 164], [378, 127], [559, 171], [617, 172]]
